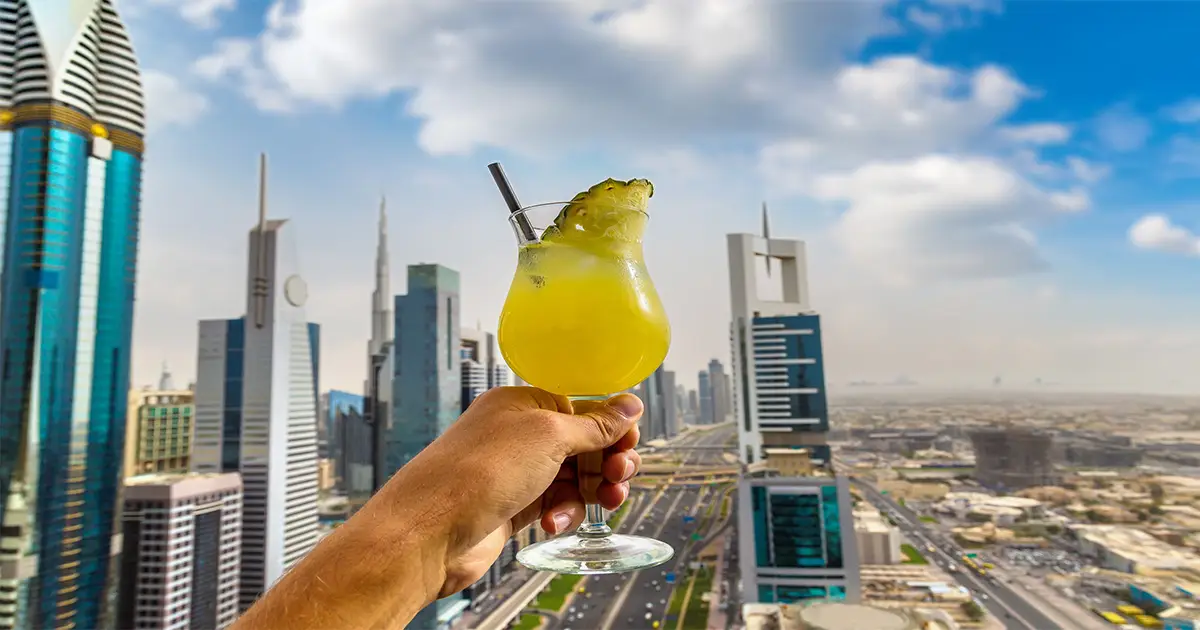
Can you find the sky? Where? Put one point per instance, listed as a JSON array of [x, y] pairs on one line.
[[985, 189]]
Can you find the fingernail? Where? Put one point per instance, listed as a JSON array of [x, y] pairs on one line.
[[628, 471], [561, 523], [627, 405]]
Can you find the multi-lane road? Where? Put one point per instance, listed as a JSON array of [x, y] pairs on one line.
[[1001, 601], [639, 599]]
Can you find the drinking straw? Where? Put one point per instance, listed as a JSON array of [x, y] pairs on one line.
[[510, 199]]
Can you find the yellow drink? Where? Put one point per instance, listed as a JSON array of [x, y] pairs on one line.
[[583, 320]]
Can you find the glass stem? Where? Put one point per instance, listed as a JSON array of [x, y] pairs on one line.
[[593, 525]]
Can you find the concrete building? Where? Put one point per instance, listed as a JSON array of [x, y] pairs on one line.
[[158, 431], [72, 124], [179, 564], [256, 406], [795, 522], [1131, 550], [878, 541], [1013, 458], [426, 386]]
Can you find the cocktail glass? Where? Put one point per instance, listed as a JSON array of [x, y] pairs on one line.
[[583, 320]]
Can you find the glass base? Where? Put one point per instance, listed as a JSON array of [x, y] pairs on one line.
[[590, 555]]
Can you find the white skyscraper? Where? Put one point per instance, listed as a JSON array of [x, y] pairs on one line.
[[256, 406]]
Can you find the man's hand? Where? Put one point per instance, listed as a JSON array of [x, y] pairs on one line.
[[441, 521], [509, 458]]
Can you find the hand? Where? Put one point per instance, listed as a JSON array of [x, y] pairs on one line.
[[508, 460]]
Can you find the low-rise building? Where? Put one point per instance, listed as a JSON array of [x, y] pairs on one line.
[[1131, 550], [826, 615], [878, 540]]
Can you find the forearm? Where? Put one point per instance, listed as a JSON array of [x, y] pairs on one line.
[[375, 571]]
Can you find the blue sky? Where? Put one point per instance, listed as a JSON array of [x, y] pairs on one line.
[[985, 188]]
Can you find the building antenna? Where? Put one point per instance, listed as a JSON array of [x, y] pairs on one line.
[[766, 233], [261, 282]]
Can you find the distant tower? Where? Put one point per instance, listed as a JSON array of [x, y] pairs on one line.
[[377, 389], [165, 382], [256, 405]]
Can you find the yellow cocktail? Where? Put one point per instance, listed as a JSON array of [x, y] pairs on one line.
[[582, 319]]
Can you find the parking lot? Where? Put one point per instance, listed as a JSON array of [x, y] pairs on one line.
[[1042, 561]]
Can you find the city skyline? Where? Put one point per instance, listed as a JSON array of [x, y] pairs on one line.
[[1065, 167]]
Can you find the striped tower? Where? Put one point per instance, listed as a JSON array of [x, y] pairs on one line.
[[71, 129]]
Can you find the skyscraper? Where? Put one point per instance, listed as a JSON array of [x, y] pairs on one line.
[[719, 382], [351, 447], [704, 384], [479, 365], [796, 528], [426, 385], [377, 388], [71, 144], [256, 403], [182, 539]]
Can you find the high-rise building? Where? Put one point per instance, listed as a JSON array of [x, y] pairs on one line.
[[479, 365], [660, 418], [1014, 458], [352, 447], [719, 382], [426, 385], [481, 371], [158, 431], [179, 565], [796, 523], [256, 403], [704, 383], [71, 144], [377, 389]]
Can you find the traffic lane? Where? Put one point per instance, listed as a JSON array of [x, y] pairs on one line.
[[646, 596], [1003, 604], [1029, 616]]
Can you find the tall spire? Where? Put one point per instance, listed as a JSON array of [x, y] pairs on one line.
[[381, 308], [766, 232], [261, 281]]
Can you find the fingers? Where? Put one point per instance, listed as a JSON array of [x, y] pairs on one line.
[[599, 426], [562, 508], [621, 466], [612, 495]]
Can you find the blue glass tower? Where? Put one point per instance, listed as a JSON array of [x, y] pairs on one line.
[[71, 144], [426, 386]]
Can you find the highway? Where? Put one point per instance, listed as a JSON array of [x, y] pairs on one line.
[[623, 601], [1015, 612]]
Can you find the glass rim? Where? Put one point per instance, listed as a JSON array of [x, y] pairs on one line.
[[536, 206]]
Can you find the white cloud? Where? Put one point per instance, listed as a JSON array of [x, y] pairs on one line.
[[200, 13], [943, 216], [1120, 128], [617, 71], [1087, 172], [1037, 133], [1157, 232], [169, 101], [1187, 111]]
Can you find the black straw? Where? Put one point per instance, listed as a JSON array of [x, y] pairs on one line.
[[510, 199]]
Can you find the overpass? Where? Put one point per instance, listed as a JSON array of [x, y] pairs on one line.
[[654, 449]]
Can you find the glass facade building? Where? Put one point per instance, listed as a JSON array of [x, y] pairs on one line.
[[802, 545], [426, 385], [71, 128]]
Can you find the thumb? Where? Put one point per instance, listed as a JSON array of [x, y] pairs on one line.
[[598, 426]]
